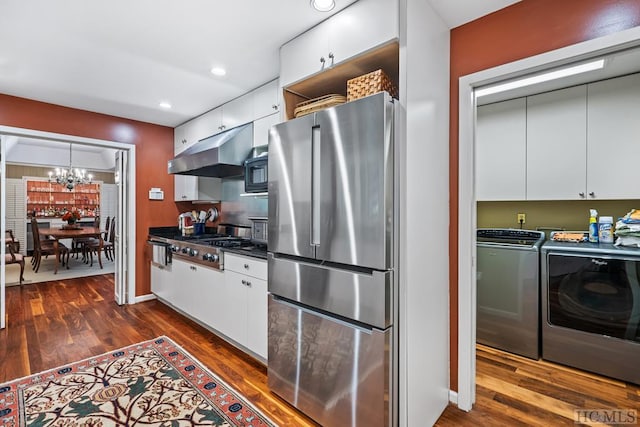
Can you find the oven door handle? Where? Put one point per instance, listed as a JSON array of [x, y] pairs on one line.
[[160, 253]]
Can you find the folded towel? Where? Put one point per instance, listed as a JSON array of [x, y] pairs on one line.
[[632, 217], [628, 241]]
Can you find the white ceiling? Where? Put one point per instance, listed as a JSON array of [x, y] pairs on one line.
[[123, 57]]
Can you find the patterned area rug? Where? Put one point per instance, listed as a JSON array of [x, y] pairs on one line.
[[154, 383]]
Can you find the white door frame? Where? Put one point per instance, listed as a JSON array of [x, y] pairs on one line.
[[131, 232], [3, 227], [466, 187]]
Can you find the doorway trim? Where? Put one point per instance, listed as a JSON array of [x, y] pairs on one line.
[[131, 200], [466, 187]]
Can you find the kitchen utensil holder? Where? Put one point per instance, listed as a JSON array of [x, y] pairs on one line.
[[198, 228]]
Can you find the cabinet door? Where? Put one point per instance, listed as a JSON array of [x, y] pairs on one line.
[[186, 188], [236, 301], [237, 112], [556, 145], [501, 151], [261, 129], [361, 27], [180, 275], [180, 138], [161, 282], [186, 135], [207, 297], [613, 145], [209, 123], [300, 58], [257, 316], [265, 100]]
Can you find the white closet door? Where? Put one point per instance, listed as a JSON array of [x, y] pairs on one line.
[[501, 150], [613, 138], [556, 145]]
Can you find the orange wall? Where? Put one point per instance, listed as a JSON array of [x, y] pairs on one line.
[[524, 29], [154, 147]]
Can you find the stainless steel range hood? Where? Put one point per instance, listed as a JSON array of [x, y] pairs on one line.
[[218, 156]]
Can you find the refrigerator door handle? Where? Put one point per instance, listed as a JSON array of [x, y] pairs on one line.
[[361, 328], [315, 186]]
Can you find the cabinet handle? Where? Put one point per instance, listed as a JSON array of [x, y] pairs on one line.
[[581, 194], [193, 268], [184, 141], [221, 127], [246, 266], [322, 61], [592, 194], [332, 58], [274, 106], [248, 283], [244, 282]]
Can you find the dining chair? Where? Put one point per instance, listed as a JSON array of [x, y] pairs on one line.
[[10, 239], [93, 246], [12, 257], [77, 244], [45, 247]]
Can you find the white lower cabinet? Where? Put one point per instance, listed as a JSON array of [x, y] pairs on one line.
[[233, 303], [161, 278], [196, 290], [246, 282]]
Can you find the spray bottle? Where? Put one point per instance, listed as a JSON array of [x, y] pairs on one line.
[[593, 226]]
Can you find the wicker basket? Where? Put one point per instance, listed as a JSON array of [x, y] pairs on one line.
[[313, 105], [368, 84]]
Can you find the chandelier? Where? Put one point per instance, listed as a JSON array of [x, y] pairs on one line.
[[70, 177]]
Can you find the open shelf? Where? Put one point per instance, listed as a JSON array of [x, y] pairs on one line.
[[44, 196], [334, 79]]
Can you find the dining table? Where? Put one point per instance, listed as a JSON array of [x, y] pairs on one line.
[[59, 233]]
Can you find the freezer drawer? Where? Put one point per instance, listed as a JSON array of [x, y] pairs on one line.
[[335, 372], [360, 295]]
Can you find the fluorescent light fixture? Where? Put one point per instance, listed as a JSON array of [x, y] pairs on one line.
[[323, 5], [540, 78], [218, 71], [165, 105]]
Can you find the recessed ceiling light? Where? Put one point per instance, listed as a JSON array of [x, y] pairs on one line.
[[540, 78], [165, 105], [323, 5], [218, 71]]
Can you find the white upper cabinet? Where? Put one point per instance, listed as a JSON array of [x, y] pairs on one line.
[[305, 55], [613, 138], [196, 129], [261, 129], [265, 100], [236, 112], [189, 188], [501, 151], [362, 26], [358, 28], [556, 150]]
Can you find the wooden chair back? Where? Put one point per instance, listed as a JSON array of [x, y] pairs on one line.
[[36, 233]]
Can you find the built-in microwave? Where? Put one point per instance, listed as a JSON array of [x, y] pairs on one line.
[[255, 174]]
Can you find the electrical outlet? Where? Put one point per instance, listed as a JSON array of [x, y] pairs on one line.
[[522, 218]]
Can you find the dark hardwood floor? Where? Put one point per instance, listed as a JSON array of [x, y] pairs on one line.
[[54, 323]]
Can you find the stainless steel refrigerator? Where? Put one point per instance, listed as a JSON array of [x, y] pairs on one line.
[[332, 263]]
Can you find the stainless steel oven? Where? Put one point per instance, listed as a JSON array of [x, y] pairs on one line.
[[591, 308]]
